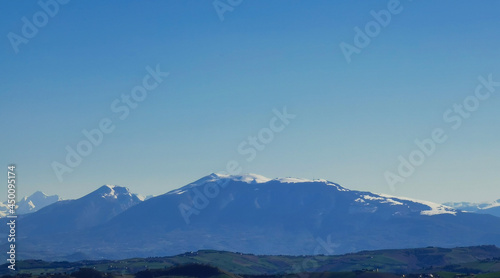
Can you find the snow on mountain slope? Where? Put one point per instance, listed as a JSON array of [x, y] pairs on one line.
[[492, 208], [469, 206], [3, 210], [434, 208]]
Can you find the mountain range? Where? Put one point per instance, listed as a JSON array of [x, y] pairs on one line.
[[245, 213], [492, 208]]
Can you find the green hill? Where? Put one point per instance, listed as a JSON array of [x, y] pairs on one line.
[[477, 259]]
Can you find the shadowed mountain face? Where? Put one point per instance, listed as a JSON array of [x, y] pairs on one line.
[[250, 214]]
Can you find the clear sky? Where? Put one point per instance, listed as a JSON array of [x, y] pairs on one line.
[[352, 120]]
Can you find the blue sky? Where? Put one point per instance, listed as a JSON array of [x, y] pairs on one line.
[[352, 121]]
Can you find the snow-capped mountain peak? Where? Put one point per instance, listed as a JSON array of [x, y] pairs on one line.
[[111, 193], [363, 201], [250, 178], [35, 202], [114, 192], [29, 204], [255, 178]]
